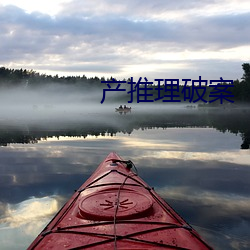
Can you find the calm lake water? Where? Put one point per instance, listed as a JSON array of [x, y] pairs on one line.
[[198, 160]]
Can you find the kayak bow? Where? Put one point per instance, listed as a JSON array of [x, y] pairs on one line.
[[116, 209]]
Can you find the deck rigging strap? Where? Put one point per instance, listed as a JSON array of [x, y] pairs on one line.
[[129, 165]]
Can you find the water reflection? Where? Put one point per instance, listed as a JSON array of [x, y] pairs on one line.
[[110, 123], [200, 171]]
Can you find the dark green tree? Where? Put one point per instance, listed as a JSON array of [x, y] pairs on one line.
[[246, 82], [246, 75]]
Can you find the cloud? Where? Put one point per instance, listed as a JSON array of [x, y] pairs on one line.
[[146, 9], [112, 38]]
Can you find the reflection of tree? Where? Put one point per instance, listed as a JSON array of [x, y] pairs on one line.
[[246, 141], [245, 144], [237, 122], [222, 120], [8, 137]]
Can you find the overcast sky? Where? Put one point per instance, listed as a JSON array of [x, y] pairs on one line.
[[132, 38]]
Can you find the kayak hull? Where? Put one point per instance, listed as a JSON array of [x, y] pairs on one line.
[[116, 209]]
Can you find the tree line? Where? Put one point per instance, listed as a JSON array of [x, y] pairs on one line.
[[31, 79]]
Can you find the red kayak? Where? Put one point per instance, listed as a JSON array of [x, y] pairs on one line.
[[116, 209]]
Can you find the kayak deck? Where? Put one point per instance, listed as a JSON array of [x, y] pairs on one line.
[[116, 209]]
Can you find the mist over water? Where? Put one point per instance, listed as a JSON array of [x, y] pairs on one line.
[[51, 102], [64, 108], [61, 103], [191, 155]]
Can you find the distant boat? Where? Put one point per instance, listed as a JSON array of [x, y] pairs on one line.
[[123, 110]]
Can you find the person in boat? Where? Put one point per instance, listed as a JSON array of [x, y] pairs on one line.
[[120, 107], [125, 107]]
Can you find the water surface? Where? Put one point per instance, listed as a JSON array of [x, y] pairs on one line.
[[193, 159]]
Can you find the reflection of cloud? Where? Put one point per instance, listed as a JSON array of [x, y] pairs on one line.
[[221, 218], [237, 157], [25, 220], [148, 144], [29, 213], [228, 203]]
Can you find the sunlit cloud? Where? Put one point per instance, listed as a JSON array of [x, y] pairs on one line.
[[46, 6], [121, 39], [226, 54]]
